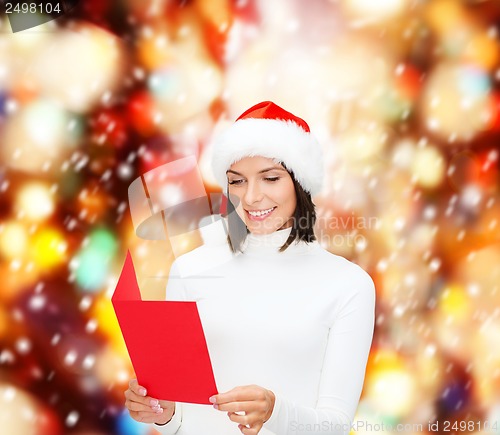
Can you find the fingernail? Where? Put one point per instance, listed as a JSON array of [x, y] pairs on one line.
[[142, 391], [212, 399], [159, 411], [153, 402], [216, 406]]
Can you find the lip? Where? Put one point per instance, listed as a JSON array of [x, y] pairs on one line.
[[259, 218]]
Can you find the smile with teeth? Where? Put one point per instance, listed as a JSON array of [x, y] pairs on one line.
[[260, 212]]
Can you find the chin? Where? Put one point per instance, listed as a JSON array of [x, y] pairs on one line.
[[261, 229], [258, 231]]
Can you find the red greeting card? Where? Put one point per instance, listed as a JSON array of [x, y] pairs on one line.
[[165, 342]]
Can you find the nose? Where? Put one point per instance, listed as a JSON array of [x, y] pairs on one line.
[[253, 192]]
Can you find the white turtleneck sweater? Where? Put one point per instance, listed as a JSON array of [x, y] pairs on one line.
[[299, 323]]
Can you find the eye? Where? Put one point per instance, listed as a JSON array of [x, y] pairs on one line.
[[235, 182], [272, 178]]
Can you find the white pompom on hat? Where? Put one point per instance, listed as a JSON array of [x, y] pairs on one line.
[[270, 131]]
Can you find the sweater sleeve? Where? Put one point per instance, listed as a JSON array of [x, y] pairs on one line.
[[342, 376], [174, 292]]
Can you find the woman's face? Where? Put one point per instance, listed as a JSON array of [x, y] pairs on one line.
[[265, 195]]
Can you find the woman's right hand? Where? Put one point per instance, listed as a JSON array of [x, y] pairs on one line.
[[146, 409]]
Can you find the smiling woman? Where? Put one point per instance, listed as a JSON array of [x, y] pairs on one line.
[[288, 324], [268, 199]]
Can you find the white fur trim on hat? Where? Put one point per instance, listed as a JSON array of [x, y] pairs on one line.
[[275, 139]]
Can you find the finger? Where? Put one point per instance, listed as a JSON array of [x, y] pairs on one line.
[[247, 406], [248, 430], [148, 401], [144, 417], [240, 393], [136, 388], [237, 418], [139, 407], [228, 396], [166, 403]]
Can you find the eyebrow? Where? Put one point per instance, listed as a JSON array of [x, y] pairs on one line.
[[260, 172]]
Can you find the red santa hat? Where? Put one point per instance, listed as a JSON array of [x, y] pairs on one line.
[[268, 130]]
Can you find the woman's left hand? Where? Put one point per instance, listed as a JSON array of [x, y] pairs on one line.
[[255, 401]]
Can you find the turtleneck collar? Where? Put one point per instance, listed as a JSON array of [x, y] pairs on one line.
[[262, 244]]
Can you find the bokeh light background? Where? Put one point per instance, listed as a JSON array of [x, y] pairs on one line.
[[404, 96]]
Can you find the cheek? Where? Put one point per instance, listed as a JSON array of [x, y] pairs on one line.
[[235, 200], [240, 212], [289, 209], [287, 197]]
